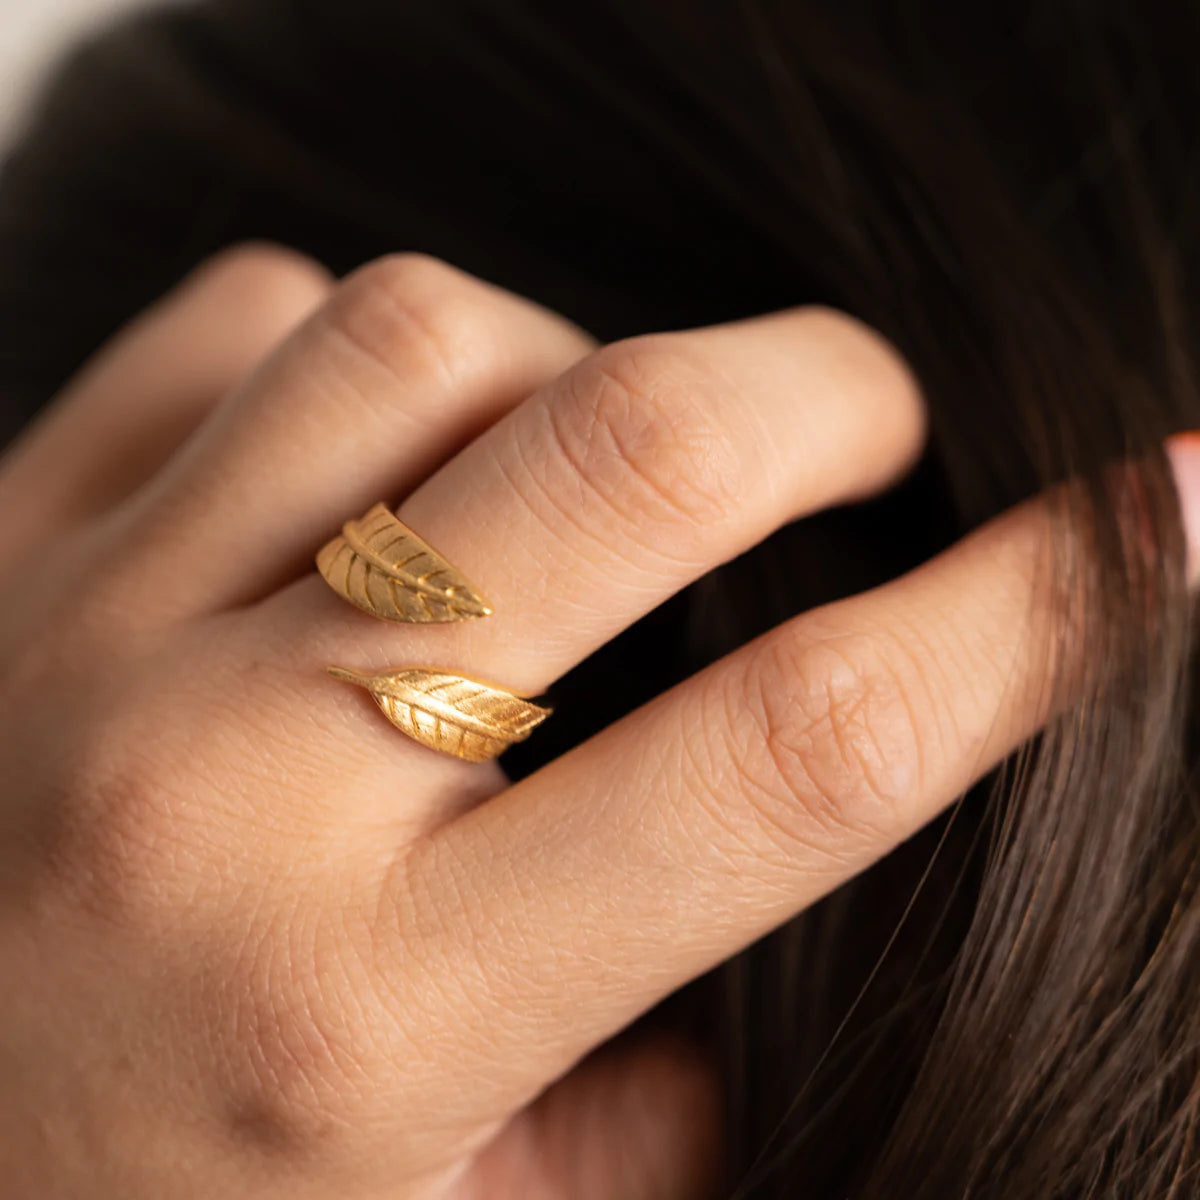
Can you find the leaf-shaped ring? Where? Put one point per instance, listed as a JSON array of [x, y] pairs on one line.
[[382, 567], [451, 713]]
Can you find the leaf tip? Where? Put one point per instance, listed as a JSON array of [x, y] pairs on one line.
[[348, 676], [467, 602]]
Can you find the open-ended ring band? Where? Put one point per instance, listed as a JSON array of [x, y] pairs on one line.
[[380, 565]]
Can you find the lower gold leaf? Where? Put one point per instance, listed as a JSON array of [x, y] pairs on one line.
[[451, 713]]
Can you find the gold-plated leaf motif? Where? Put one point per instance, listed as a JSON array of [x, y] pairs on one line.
[[450, 713], [380, 565]]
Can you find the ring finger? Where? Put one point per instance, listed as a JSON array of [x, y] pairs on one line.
[[642, 467]]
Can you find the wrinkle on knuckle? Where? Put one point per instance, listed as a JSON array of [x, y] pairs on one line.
[[530, 484], [831, 741], [413, 318], [636, 425], [750, 814]]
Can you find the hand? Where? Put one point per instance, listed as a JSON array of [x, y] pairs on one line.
[[255, 941]]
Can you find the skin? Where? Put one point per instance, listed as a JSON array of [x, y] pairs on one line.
[[258, 943]]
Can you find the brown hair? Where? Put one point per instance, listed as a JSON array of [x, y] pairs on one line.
[[1008, 1005]]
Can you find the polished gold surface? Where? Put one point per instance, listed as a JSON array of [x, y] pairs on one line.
[[380, 565], [451, 713]]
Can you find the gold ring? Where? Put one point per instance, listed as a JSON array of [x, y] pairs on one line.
[[380, 565]]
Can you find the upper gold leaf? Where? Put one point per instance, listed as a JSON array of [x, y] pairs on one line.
[[381, 566], [450, 713]]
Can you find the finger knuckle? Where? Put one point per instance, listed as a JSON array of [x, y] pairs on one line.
[[413, 316], [827, 741], [410, 271], [132, 856], [123, 835], [857, 362], [637, 422], [265, 280], [826, 323], [110, 838], [863, 350], [301, 1063]]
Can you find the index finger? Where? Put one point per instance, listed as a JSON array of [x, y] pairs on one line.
[[584, 894]]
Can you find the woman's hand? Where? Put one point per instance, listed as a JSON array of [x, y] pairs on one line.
[[254, 941]]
